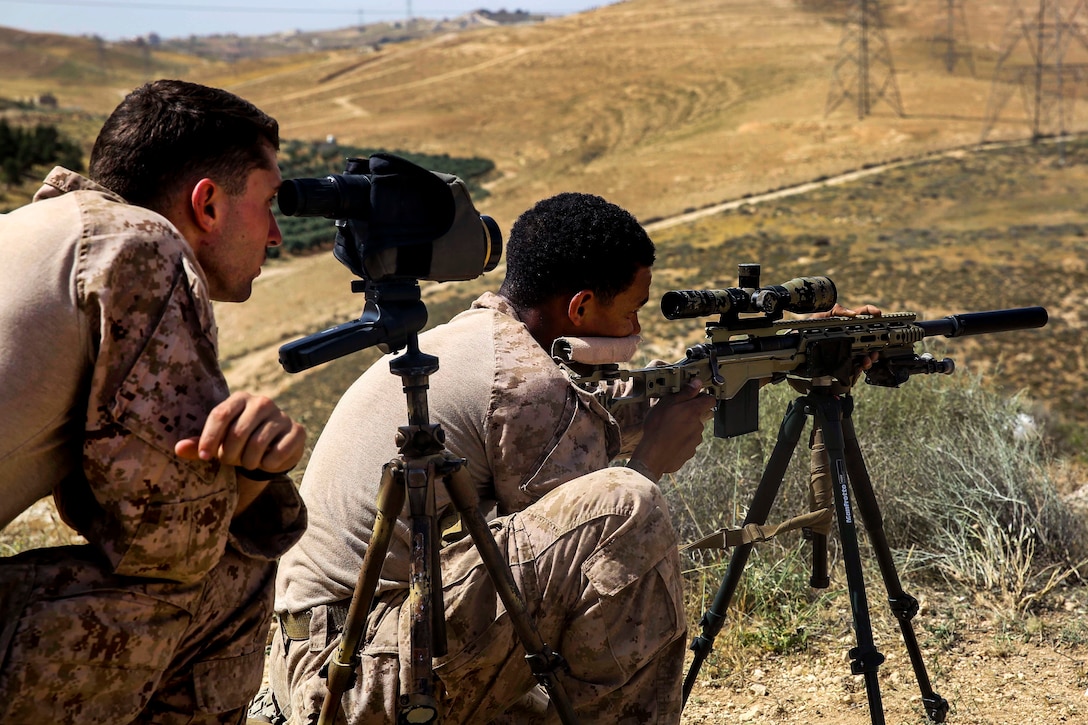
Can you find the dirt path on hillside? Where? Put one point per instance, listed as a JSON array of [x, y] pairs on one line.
[[831, 181]]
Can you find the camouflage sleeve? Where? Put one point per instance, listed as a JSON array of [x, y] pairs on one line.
[[542, 431], [155, 377], [272, 523], [629, 416]]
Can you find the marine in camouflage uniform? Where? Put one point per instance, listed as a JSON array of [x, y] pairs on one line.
[[107, 358], [525, 431], [591, 547]]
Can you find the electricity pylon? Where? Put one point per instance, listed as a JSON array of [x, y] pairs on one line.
[[1057, 44], [864, 70], [951, 43]]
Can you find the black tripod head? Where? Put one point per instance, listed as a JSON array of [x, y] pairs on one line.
[[397, 223], [392, 314]]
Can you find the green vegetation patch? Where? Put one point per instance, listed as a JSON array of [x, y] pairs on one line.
[[25, 149], [962, 479]]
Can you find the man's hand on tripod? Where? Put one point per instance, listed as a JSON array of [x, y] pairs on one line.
[[674, 429]]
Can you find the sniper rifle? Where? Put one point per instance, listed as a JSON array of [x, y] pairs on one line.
[[744, 350]]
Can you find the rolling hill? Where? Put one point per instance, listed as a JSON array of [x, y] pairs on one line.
[[667, 107]]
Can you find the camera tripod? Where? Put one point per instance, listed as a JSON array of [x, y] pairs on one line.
[[831, 407], [392, 317], [411, 477]]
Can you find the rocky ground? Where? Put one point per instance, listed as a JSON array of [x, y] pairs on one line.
[[992, 670]]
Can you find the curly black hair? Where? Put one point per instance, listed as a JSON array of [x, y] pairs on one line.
[[571, 242]]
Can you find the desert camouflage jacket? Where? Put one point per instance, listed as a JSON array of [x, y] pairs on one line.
[[505, 407], [153, 377]]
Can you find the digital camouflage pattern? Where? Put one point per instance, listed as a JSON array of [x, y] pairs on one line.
[[504, 406], [595, 556], [597, 564], [139, 623], [83, 645]]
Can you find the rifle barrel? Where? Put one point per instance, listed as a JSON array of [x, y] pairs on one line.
[[981, 323]]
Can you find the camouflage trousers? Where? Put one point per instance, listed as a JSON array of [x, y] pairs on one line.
[[596, 562], [79, 644]]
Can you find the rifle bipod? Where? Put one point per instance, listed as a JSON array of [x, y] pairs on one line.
[[831, 407], [412, 475]]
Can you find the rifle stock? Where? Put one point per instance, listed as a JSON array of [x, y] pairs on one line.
[[741, 355]]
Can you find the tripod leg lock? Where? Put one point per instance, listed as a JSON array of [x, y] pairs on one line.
[[865, 659], [701, 646], [904, 608], [545, 664], [339, 674], [711, 621], [711, 624]]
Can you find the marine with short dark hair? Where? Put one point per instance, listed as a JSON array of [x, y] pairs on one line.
[[114, 403]]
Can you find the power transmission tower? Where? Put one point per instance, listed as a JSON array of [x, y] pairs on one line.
[[864, 70], [1057, 44], [951, 42]]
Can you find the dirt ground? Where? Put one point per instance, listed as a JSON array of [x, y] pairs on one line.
[[993, 667], [991, 670]]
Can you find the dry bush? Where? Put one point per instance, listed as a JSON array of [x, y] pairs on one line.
[[962, 478]]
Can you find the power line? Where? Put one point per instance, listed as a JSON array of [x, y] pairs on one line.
[[1048, 85]]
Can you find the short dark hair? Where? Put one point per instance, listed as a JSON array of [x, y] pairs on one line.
[[168, 134], [571, 242]]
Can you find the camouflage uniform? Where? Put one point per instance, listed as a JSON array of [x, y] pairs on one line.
[[108, 357], [594, 555]]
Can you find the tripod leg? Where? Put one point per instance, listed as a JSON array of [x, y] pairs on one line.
[[902, 604], [788, 434], [419, 703], [343, 664], [543, 661], [820, 496], [865, 658]]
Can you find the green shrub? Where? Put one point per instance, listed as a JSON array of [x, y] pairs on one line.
[[23, 149]]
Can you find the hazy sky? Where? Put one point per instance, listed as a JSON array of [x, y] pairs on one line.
[[115, 19]]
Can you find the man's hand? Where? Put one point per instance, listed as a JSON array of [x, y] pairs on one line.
[[674, 429], [249, 431], [838, 310]]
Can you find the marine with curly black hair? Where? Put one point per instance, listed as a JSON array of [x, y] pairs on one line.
[[591, 546]]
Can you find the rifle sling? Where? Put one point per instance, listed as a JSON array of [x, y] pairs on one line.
[[752, 533]]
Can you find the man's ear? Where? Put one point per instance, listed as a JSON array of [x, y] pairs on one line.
[[578, 307], [204, 200]]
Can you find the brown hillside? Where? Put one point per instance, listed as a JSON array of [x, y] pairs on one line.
[[84, 74], [664, 107], [660, 105]]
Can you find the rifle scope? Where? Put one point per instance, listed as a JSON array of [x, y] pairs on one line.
[[801, 295]]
